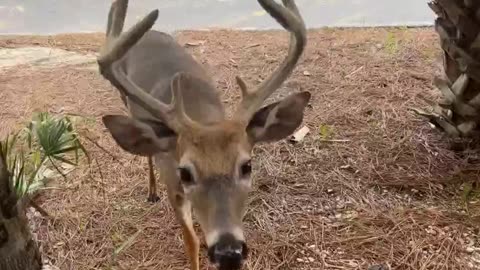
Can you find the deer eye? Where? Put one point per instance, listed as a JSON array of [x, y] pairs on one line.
[[185, 176], [246, 169]]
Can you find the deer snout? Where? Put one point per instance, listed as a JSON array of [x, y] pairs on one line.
[[228, 252]]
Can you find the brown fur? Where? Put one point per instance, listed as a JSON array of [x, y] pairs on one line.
[[214, 149]]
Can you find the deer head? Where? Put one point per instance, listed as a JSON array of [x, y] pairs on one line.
[[212, 162]]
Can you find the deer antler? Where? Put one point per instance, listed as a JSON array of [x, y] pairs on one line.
[[116, 46], [289, 17]]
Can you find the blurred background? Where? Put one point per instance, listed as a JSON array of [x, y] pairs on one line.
[[61, 16]]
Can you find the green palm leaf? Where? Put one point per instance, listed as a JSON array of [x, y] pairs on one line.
[[45, 138]]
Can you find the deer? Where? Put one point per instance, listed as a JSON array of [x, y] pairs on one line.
[[177, 120]]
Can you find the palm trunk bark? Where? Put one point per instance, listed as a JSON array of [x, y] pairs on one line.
[[18, 251], [458, 26]]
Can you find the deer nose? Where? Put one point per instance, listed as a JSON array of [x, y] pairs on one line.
[[228, 252]]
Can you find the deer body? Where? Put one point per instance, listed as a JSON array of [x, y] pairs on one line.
[[178, 118]]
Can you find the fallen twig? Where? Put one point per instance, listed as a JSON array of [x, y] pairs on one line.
[[101, 147], [354, 72], [40, 209], [333, 140]]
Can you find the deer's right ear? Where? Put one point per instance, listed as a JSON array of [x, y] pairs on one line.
[[137, 137]]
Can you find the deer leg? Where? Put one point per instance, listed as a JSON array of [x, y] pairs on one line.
[[183, 213], [152, 185]]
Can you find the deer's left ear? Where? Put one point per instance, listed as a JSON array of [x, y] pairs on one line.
[[278, 120]]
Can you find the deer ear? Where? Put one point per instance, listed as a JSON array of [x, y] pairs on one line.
[[138, 137], [278, 120]]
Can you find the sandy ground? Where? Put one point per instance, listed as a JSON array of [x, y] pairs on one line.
[[371, 184]]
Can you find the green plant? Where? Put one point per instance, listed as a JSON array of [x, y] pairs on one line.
[[47, 148], [391, 43], [326, 132], [470, 192]]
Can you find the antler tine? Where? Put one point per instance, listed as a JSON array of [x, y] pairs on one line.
[[289, 17], [116, 20], [290, 4], [173, 114], [110, 19], [117, 45]]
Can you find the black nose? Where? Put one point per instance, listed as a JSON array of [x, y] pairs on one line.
[[228, 252]]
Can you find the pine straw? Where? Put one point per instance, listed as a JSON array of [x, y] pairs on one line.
[[371, 184]]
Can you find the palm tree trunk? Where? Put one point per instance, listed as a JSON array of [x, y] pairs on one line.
[[458, 26], [18, 251]]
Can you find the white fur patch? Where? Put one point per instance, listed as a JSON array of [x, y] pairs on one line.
[[238, 234], [246, 182], [213, 236], [165, 164]]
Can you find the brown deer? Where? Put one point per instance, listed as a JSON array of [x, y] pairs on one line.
[[178, 120]]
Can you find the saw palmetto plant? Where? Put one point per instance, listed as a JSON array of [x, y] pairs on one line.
[[458, 27], [48, 148]]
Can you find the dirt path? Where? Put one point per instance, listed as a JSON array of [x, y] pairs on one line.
[[372, 183]]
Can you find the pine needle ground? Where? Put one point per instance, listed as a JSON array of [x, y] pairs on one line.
[[372, 183]]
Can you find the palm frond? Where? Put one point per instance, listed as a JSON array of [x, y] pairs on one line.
[[32, 152]]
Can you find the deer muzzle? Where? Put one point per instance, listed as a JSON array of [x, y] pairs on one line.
[[228, 253]]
